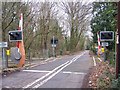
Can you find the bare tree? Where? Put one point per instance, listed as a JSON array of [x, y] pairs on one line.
[[76, 13]]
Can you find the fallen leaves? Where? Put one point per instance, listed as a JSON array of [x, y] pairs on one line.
[[101, 75]]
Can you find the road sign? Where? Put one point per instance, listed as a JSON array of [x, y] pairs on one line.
[[53, 45], [106, 36], [3, 44], [104, 43]]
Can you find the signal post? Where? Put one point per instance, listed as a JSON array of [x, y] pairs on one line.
[[17, 36]]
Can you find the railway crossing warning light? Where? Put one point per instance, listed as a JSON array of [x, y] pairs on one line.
[[54, 41], [15, 35], [106, 35]]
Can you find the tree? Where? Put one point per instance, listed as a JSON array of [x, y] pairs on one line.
[[77, 15], [103, 19]]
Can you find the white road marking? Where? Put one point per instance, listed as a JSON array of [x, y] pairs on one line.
[[100, 59], [36, 71], [66, 72], [94, 61], [42, 71], [44, 81], [47, 59], [52, 60], [45, 75], [53, 73]]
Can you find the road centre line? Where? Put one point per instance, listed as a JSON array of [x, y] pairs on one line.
[[78, 57], [53, 73], [44, 81], [94, 61], [30, 84], [73, 60]]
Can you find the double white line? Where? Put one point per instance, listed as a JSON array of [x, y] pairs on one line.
[[39, 82]]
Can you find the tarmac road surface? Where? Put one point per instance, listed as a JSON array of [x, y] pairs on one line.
[[64, 72]]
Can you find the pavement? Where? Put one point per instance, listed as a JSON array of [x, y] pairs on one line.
[[62, 72], [28, 64]]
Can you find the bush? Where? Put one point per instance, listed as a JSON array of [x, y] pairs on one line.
[[108, 79], [116, 83]]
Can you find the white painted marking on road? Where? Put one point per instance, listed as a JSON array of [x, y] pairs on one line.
[[53, 73], [74, 59], [41, 71], [36, 71], [44, 81], [66, 72], [47, 59], [94, 61], [45, 75], [52, 60], [100, 59]]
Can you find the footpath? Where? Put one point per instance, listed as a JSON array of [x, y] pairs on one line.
[[28, 64]]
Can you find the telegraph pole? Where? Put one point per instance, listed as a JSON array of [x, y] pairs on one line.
[[118, 42]]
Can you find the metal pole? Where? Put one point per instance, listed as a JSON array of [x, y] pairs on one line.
[[118, 43], [53, 47], [105, 49], [3, 58], [6, 59], [104, 53]]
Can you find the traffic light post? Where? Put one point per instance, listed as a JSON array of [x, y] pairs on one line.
[[106, 36], [17, 36], [4, 45], [54, 41]]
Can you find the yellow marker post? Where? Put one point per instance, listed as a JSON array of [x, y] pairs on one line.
[[7, 52], [102, 49]]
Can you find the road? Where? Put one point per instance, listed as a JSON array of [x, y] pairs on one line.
[[64, 72]]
